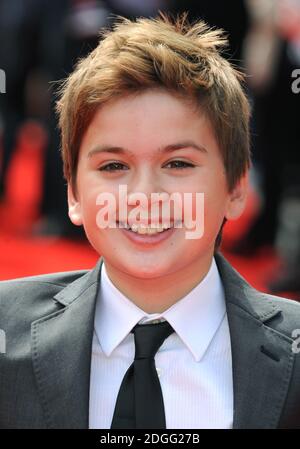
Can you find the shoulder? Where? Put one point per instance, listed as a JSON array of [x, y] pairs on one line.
[[280, 313], [54, 281], [33, 294], [288, 320]]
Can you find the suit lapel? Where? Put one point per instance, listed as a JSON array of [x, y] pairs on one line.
[[61, 354], [262, 358]]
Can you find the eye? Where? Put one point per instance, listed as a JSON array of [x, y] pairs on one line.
[[112, 166], [180, 164]]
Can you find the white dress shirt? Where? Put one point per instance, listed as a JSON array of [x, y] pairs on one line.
[[194, 363]]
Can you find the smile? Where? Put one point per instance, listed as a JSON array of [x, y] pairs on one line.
[[142, 234], [146, 229]]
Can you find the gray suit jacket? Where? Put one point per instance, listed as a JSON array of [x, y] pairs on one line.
[[48, 323]]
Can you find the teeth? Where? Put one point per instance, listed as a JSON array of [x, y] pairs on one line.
[[152, 229], [144, 229]]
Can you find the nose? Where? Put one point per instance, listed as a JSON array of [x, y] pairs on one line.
[[145, 182], [141, 189]]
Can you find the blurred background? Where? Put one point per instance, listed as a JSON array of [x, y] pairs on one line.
[[40, 42]]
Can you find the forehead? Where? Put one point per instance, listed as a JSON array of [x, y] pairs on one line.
[[153, 119], [149, 102]]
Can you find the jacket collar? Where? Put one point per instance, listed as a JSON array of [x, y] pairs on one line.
[[261, 357], [61, 354]]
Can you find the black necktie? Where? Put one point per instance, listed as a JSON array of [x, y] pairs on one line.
[[140, 403]]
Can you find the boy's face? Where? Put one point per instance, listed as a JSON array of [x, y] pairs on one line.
[[144, 125]]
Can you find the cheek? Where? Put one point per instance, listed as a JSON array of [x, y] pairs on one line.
[[210, 195], [211, 206], [91, 189]]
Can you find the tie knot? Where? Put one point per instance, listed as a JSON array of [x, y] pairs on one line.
[[149, 337]]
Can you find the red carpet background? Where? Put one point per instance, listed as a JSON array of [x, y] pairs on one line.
[[22, 254]]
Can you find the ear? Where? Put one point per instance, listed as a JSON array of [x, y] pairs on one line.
[[74, 208], [237, 198]]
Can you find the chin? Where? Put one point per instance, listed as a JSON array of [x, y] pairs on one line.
[[144, 272]]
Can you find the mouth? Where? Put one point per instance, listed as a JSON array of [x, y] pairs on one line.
[[146, 234], [148, 229]]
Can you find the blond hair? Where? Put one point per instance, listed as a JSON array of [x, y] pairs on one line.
[[161, 52]]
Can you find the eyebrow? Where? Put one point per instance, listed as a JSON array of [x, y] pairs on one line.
[[167, 149]]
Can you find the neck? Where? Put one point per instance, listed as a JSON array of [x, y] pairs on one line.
[[159, 294]]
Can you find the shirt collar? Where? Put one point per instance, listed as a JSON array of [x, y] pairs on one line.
[[195, 318]]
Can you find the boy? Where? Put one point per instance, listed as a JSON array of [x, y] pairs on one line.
[[163, 332]]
